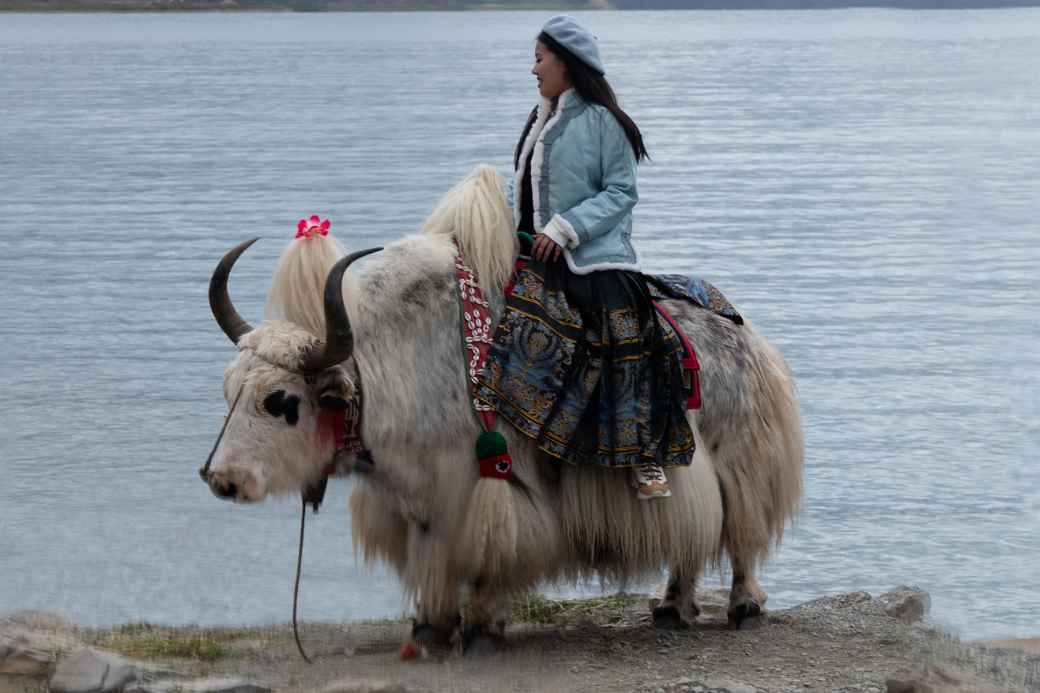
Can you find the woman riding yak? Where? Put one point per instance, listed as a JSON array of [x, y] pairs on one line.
[[579, 363]]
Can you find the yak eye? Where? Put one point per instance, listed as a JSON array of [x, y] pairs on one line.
[[278, 404], [274, 401]]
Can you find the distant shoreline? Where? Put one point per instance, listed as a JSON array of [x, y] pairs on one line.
[[232, 6], [369, 6]]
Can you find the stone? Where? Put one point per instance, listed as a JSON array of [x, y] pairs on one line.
[[197, 686], [19, 657], [93, 671], [933, 678], [908, 604], [354, 685], [29, 641]]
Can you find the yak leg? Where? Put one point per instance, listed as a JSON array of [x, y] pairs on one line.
[[436, 588], [746, 597], [417, 557], [486, 620], [679, 595]]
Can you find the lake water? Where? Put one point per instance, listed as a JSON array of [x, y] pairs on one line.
[[865, 184]]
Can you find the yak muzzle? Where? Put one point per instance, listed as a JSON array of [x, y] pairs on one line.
[[224, 489], [238, 485]]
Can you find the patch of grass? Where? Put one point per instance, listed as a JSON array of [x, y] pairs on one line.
[[535, 608], [147, 641], [403, 618]]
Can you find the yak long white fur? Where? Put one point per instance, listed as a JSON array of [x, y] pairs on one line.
[[572, 522]]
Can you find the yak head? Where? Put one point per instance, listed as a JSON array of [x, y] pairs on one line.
[[286, 392]]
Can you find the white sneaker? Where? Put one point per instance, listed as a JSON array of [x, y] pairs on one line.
[[650, 482]]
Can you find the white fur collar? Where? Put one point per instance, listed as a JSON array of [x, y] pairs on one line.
[[544, 122]]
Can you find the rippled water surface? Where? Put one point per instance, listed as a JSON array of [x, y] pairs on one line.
[[864, 184]]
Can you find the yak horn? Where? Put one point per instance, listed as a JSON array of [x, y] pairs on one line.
[[339, 339], [219, 301]]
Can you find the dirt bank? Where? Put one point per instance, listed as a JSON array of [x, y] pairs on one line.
[[849, 642]]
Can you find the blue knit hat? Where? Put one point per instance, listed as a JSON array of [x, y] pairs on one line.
[[577, 39]]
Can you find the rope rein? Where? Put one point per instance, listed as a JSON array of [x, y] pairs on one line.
[[204, 471], [296, 586], [495, 462]]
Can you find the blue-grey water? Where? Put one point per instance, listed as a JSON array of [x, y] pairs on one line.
[[865, 184]]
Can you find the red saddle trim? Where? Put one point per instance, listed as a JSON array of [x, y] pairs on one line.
[[691, 367]]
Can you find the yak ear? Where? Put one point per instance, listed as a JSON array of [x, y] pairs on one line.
[[334, 388]]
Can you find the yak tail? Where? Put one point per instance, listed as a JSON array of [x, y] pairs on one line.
[[489, 530], [760, 469]]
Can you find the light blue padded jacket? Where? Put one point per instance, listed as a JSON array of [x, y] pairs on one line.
[[583, 183]]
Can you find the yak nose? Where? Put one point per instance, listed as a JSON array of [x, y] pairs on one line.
[[238, 485], [222, 487]]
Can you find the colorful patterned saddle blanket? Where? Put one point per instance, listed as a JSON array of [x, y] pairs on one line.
[[702, 294], [697, 291]]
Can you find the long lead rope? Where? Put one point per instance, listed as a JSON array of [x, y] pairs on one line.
[[204, 471], [296, 587]]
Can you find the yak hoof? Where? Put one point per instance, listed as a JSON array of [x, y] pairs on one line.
[[669, 618], [428, 639], [738, 613], [477, 639]]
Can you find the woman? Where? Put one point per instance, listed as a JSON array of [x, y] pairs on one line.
[[579, 363]]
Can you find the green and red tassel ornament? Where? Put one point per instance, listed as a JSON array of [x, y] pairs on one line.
[[493, 456]]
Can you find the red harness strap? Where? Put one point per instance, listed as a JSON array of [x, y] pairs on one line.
[[346, 433], [691, 368], [478, 331]]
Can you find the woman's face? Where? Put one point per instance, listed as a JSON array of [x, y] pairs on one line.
[[550, 71]]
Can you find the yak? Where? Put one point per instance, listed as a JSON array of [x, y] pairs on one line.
[[388, 341]]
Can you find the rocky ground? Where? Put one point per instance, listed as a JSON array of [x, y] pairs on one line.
[[851, 642]]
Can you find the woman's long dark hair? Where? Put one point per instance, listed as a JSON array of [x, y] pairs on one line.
[[594, 88]]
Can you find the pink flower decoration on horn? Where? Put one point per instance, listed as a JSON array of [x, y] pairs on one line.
[[315, 226]]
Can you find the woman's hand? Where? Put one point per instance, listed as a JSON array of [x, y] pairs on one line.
[[545, 249]]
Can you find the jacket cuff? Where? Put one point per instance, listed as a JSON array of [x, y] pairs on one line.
[[561, 231]]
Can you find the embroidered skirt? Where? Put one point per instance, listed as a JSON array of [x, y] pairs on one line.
[[580, 364]]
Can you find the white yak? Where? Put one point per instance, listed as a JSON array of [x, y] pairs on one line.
[[395, 329]]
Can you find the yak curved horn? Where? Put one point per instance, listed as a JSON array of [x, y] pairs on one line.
[[339, 339], [219, 301]]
